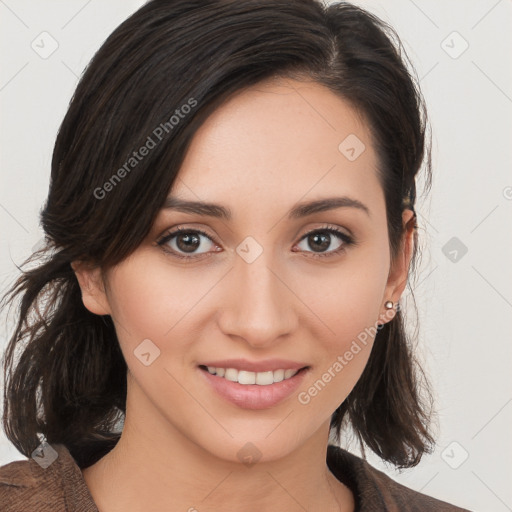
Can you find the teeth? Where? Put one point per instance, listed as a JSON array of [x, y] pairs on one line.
[[289, 373], [244, 377], [263, 378], [278, 375], [231, 374]]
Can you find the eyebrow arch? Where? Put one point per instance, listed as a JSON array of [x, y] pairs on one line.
[[330, 203], [298, 211]]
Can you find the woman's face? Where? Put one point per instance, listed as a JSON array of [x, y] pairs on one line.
[[256, 289]]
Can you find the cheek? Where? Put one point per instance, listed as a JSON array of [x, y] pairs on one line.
[[348, 297], [149, 301], [347, 301]]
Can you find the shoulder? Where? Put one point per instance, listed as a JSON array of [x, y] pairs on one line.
[[37, 485], [374, 490]]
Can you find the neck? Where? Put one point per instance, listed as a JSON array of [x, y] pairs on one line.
[[154, 463]]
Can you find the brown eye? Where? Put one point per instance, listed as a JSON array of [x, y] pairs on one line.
[[320, 240], [186, 241]]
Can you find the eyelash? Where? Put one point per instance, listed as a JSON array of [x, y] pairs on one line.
[[347, 241]]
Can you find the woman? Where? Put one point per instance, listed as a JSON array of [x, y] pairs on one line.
[[230, 228]]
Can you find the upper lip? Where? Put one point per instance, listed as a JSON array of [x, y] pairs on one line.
[[256, 366]]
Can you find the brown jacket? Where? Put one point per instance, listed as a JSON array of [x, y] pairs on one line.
[[26, 487]]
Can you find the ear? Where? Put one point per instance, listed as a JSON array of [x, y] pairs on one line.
[[92, 286], [398, 274]]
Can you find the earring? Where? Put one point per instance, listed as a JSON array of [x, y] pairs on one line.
[[389, 305]]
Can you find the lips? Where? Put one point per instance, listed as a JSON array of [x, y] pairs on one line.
[[255, 366], [247, 384]]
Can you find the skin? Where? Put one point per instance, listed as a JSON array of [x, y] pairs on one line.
[[268, 148]]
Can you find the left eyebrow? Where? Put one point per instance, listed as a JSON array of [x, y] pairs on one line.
[[322, 205], [298, 211]]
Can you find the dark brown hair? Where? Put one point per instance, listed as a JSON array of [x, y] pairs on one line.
[[69, 383]]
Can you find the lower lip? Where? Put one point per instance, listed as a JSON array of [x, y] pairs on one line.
[[254, 396]]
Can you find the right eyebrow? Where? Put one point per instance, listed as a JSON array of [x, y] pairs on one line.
[[197, 207]]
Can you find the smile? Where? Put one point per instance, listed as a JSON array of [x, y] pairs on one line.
[[253, 385], [245, 377]]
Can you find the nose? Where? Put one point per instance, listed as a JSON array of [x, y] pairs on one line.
[[257, 306]]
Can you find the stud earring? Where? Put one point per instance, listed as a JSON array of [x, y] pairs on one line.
[[389, 305]]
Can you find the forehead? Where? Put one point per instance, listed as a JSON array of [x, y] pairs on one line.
[[276, 142]]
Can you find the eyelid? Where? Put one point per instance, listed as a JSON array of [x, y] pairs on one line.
[[187, 228], [331, 228]]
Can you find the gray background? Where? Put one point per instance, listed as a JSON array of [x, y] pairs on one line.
[[461, 51]]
